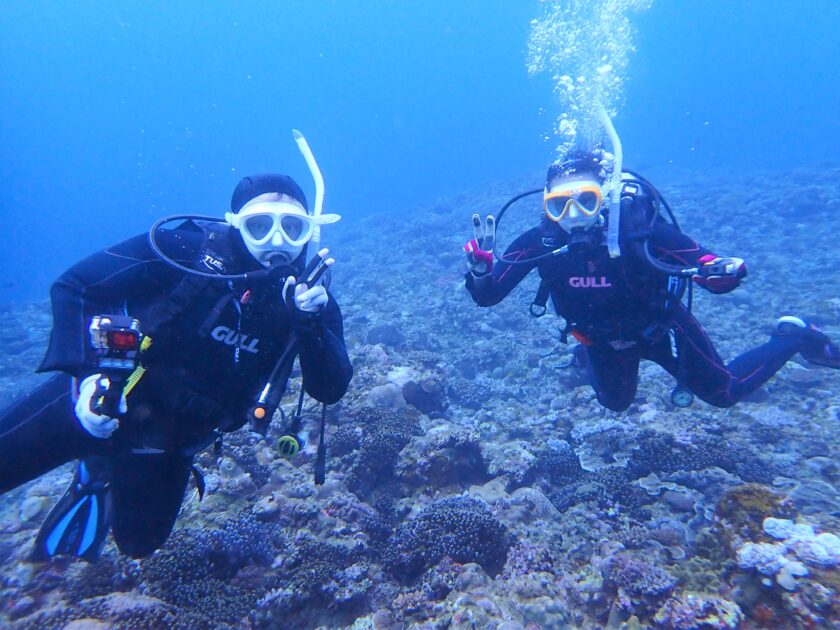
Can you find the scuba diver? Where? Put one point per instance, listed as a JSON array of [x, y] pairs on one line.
[[210, 316], [616, 271]]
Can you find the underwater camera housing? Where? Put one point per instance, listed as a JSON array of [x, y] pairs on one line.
[[116, 339]]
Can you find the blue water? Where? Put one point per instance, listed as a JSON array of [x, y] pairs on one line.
[[113, 114]]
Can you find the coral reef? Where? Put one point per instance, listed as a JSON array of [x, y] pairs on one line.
[[698, 612], [473, 483], [448, 456], [798, 545], [741, 512], [460, 528], [215, 572], [369, 445], [640, 585], [315, 575]]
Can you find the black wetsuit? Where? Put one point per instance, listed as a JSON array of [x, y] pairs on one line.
[[622, 311], [213, 345]]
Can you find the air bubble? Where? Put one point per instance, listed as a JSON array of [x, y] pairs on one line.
[[585, 46]]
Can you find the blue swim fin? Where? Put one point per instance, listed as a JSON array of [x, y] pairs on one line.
[[79, 523]]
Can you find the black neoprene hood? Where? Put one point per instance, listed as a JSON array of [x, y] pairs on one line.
[[256, 185], [576, 163]]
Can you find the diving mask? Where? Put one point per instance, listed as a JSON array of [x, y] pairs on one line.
[[574, 204], [271, 228]]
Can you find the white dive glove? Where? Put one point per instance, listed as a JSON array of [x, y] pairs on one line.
[[310, 300], [305, 298], [99, 426]]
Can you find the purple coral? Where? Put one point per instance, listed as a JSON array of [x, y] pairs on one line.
[[314, 580], [525, 558], [661, 452], [640, 584], [699, 612], [467, 393], [461, 528], [374, 438], [197, 568]]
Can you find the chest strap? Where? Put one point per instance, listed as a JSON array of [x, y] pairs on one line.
[[214, 314], [177, 301]]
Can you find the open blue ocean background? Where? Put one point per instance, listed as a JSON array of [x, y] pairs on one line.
[[113, 114]]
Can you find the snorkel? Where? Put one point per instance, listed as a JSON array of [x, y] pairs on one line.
[[612, 187], [303, 145]]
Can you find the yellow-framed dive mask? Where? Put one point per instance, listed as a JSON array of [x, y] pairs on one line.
[[583, 199]]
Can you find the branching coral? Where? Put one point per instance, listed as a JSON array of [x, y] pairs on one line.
[[460, 528]]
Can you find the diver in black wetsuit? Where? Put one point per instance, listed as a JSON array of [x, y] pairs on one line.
[[213, 345], [620, 292]]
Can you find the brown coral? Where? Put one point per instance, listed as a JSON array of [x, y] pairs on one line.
[[741, 511]]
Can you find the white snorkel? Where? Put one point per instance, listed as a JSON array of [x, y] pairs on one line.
[[613, 186], [303, 145]]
